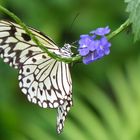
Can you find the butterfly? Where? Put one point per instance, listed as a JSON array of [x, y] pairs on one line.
[[44, 80]]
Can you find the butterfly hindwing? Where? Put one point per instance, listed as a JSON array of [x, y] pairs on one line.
[[40, 78], [44, 80], [62, 113]]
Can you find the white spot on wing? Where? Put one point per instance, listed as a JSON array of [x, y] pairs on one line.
[[36, 71], [24, 90], [50, 105], [34, 100], [29, 97], [20, 84], [5, 27], [55, 104], [40, 104], [51, 97], [45, 105], [21, 46], [48, 83], [6, 60], [4, 34], [11, 39]]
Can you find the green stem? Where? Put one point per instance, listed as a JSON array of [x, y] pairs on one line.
[[37, 42], [120, 29], [51, 54]]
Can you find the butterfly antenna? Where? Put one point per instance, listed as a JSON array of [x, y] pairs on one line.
[[74, 21], [71, 29]]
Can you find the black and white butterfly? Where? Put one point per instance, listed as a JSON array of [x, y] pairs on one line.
[[44, 80]]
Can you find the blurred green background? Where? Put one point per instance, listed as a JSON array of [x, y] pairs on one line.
[[106, 93]]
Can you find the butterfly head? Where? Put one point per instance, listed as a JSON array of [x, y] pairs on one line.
[[66, 50]]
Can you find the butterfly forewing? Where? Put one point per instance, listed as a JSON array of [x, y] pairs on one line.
[[44, 80]]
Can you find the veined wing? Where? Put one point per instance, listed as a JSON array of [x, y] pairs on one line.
[[17, 46], [44, 80]]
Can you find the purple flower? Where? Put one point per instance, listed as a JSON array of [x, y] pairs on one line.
[[91, 57], [94, 45], [92, 49], [101, 31], [84, 42]]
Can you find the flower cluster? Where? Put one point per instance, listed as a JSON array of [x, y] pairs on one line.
[[95, 45]]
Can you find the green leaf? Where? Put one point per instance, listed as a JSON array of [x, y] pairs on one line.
[[133, 8]]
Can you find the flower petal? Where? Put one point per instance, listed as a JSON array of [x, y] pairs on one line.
[[83, 51], [91, 57], [106, 51], [91, 48], [84, 40], [101, 31], [88, 59], [93, 45]]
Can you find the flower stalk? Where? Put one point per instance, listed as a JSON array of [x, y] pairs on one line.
[[122, 27], [51, 54]]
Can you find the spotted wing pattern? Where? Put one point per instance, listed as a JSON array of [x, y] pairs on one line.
[[62, 113], [45, 81]]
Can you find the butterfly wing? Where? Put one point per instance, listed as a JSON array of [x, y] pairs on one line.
[[62, 113], [44, 80], [16, 46]]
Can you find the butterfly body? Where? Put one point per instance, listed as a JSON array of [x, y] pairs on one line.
[[45, 81]]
